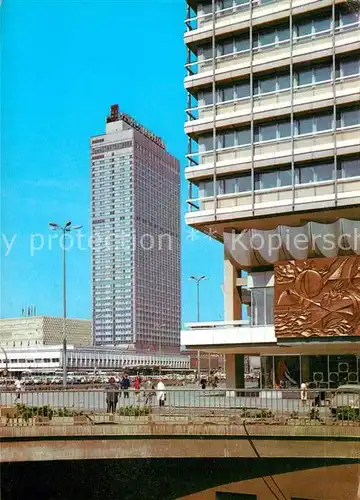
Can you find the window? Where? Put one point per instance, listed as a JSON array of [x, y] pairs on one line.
[[350, 168], [227, 47], [315, 173], [285, 177], [322, 73], [206, 98], [324, 122], [206, 8], [266, 180], [243, 137], [313, 26], [315, 123], [226, 94], [205, 53], [319, 73], [349, 117], [324, 172], [206, 188], [227, 140], [262, 305], [304, 126], [206, 143], [348, 67], [244, 183], [305, 175], [242, 90], [230, 185], [265, 85], [346, 17], [242, 43], [272, 131]]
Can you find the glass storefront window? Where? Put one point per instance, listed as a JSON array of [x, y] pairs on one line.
[[318, 371]]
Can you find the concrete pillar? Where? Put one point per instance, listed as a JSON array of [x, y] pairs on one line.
[[232, 311], [232, 302]]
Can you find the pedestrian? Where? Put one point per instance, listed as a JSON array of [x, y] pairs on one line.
[[18, 387], [124, 385], [136, 386], [112, 396], [203, 382], [148, 391], [160, 393], [303, 393]]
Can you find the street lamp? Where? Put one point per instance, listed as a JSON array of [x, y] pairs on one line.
[[65, 229], [198, 280]]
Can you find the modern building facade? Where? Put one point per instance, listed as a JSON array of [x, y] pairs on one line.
[[49, 358], [136, 242], [37, 331], [273, 125]]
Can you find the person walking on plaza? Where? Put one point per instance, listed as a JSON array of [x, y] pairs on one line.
[[112, 396], [160, 393], [303, 393], [124, 386], [148, 391], [19, 388], [203, 382], [136, 386]]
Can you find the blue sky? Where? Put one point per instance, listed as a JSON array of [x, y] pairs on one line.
[[63, 64]]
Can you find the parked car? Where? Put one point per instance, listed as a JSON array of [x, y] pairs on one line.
[[346, 396]]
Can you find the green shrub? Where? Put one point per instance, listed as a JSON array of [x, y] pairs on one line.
[[347, 413], [28, 411], [134, 411]]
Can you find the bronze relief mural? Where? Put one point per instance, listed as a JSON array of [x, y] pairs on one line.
[[317, 297]]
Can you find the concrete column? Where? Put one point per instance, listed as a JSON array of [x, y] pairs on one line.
[[232, 311], [232, 302]]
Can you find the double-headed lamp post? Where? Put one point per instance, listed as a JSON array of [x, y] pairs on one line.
[[198, 279], [65, 230]]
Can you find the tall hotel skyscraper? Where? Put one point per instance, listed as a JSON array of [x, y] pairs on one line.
[[135, 189]]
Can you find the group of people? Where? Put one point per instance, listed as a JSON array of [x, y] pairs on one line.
[[114, 391], [212, 381]]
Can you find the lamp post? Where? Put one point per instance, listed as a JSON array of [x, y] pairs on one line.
[[159, 327], [198, 280], [65, 229]]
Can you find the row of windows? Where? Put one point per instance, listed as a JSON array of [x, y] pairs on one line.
[[112, 147], [271, 179], [308, 124], [279, 33], [37, 360], [281, 81]]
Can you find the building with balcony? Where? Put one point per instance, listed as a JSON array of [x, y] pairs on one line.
[[135, 185], [273, 126]]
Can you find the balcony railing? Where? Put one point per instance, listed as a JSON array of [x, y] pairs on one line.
[[270, 100], [301, 45]]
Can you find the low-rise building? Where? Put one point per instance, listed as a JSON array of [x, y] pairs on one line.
[[37, 331], [46, 359]]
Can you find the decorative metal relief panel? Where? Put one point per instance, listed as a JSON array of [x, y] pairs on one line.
[[317, 297]]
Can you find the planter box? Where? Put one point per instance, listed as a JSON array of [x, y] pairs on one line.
[[8, 411], [41, 420], [81, 419]]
